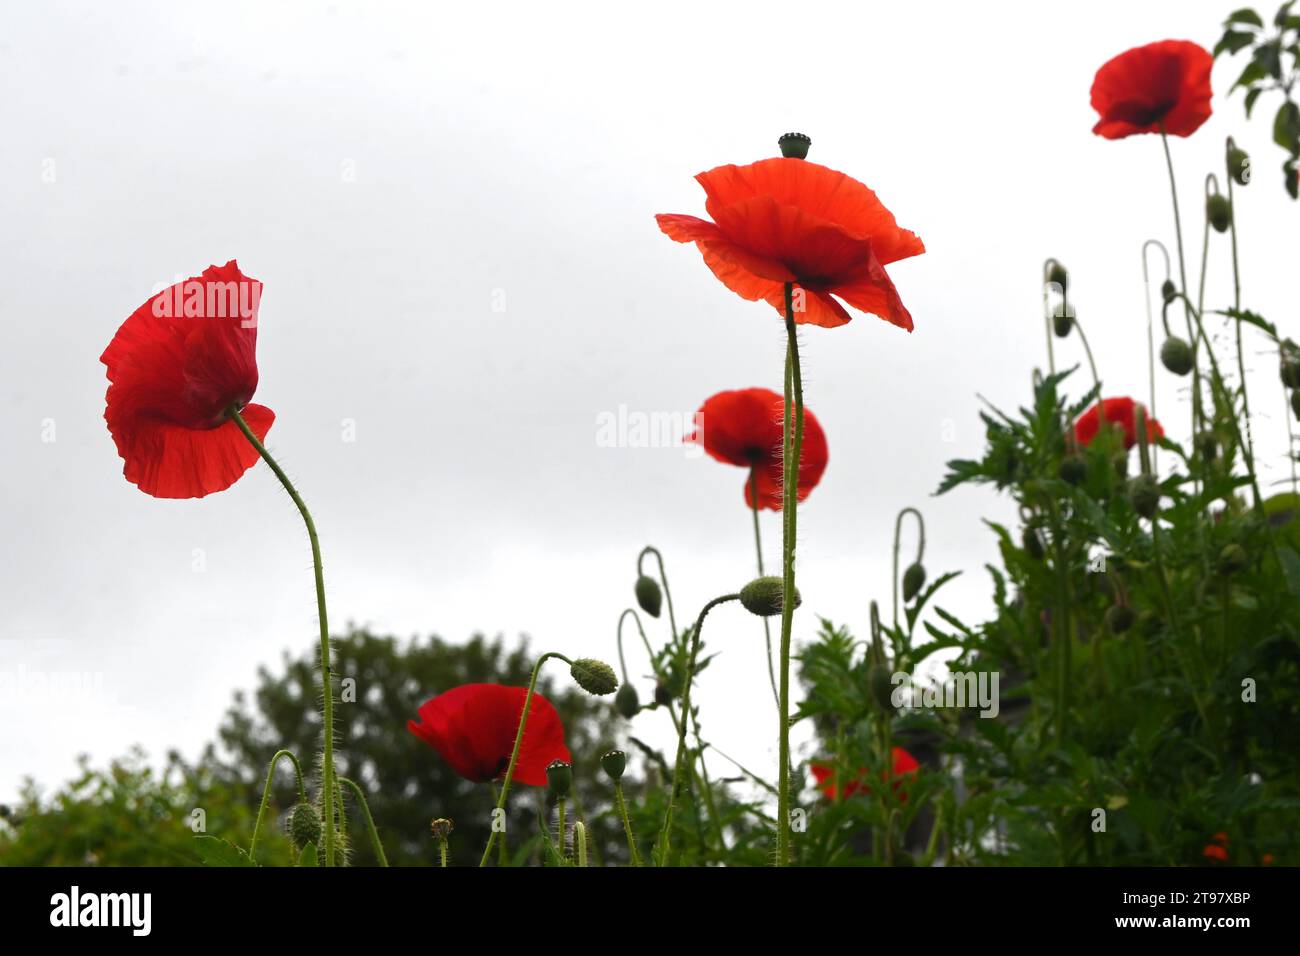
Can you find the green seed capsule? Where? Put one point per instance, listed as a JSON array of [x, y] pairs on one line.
[[614, 763], [626, 701], [1176, 355], [559, 778], [1144, 494]]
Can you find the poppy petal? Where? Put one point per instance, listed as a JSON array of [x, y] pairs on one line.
[[876, 295]]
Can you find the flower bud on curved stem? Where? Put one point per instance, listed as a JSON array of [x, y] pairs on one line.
[[914, 576]]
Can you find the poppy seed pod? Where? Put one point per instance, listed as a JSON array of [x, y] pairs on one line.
[[304, 825], [1058, 275], [1232, 559], [1119, 618], [880, 683], [663, 694], [614, 763], [1219, 211], [794, 145], [913, 581], [593, 676], [1144, 494], [626, 701], [559, 778], [1073, 470], [763, 596], [1033, 543], [1168, 290], [1176, 355], [1239, 166], [441, 828], [648, 595], [1061, 325]]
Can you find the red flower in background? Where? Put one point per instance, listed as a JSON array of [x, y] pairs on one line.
[[176, 367], [473, 727], [904, 765], [1160, 85], [788, 220], [1218, 848], [1121, 411], [744, 428]]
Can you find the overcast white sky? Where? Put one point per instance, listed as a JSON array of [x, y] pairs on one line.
[[390, 171]]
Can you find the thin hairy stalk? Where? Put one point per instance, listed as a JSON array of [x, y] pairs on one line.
[[920, 548], [663, 579], [370, 821], [758, 548], [621, 805], [266, 795]]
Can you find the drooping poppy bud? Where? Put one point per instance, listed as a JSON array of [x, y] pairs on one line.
[[913, 581], [626, 701], [794, 145], [1058, 275], [764, 596], [663, 694], [1073, 469], [304, 825], [593, 676], [1061, 324], [1119, 618], [1176, 355], [648, 595], [1218, 210], [1289, 370], [1144, 494], [1239, 166], [1168, 290], [1232, 559], [614, 763], [559, 778]]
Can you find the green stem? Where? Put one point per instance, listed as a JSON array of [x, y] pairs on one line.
[[621, 804], [442, 853], [920, 548], [327, 676], [758, 547], [519, 739], [665, 834], [560, 840], [266, 795], [792, 446], [663, 578], [1236, 304], [370, 821]]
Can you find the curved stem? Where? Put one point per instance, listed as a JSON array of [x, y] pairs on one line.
[[519, 739], [758, 548], [266, 795], [621, 804], [665, 834], [663, 579], [370, 821], [1151, 345], [327, 676], [1236, 304], [920, 548], [793, 443], [1047, 318]]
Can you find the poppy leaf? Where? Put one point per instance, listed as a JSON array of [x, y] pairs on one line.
[[217, 852], [1233, 42], [1246, 16], [1286, 127], [1251, 97]]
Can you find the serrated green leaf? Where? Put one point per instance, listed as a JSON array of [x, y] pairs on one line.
[[214, 851]]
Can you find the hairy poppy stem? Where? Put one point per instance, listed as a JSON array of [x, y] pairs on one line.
[[792, 445], [663, 578], [266, 795], [370, 821], [1236, 305], [621, 805], [519, 739], [665, 834], [758, 547], [1151, 345], [327, 676], [920, 548]]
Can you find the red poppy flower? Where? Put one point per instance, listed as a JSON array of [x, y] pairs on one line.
[[1160, 85], [1218, 848], [176, 367], [745, 428], [904, 765], [473, 726], [788, 220], [1121, 411]]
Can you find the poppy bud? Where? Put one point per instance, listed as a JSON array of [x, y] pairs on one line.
[[794, 145], [763, 596], [1033, 543], [1295, 402], [913, 581], [881, 685], [1239, 166], [626, 701], [1168, 290], [1176, 355], [1144, 494], [441, 828], [1062, 324], [1219, 211], [1207, 445], [1119, 618], [648, 595], [614, 763], [559, 778], [593, 676], [1232, 559], [1289, 371], [304, 825], [1057, 274], [663, 695], [1073, 469]]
